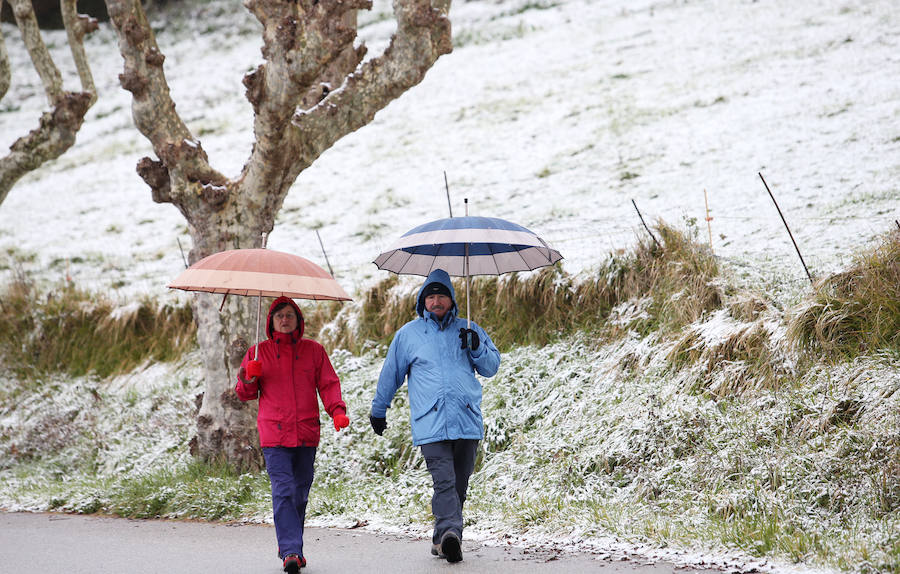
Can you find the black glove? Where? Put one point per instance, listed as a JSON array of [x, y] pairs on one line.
[[468, 338], [378, 424]]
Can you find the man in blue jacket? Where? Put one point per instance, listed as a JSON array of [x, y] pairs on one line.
[[438, 354]]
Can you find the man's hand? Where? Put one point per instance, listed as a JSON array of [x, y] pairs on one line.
[[468, 338], [242, 377], [340, 421], [378, 424]]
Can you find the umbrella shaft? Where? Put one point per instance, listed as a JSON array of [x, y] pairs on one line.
[[468, 307], [258, 310]]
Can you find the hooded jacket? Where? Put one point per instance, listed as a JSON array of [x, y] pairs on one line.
[[444, 395], [294, 369]]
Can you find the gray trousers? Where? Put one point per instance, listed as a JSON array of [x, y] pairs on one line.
[[450, 463]]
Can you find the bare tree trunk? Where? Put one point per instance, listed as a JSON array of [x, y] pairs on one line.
[[226, 427], [312, 90], [58, 127], [4, 67]]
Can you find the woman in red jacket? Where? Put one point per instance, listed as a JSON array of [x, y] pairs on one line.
[[288, 374]]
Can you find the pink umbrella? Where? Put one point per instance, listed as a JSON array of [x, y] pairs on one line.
[[258, 272]]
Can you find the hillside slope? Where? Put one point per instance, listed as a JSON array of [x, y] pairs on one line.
[[552, 114]]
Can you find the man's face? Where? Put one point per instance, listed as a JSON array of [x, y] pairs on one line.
[[285, 320], [438, 304]]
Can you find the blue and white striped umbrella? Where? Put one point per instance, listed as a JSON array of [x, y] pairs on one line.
[[489, 245], [466, 246]]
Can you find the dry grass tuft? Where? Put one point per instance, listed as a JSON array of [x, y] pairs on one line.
[[355, 326], [70, 330], [856, 311], [677, 282]]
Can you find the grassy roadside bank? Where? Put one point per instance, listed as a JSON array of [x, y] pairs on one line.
[[679, 412]]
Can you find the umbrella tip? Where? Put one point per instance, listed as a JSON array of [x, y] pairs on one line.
[[264, 235]]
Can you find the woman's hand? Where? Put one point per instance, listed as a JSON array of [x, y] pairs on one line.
[[340, 421], [242, 377]]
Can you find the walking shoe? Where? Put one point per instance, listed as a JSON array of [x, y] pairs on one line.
[[436, 551], [451, 546], [293, 563]]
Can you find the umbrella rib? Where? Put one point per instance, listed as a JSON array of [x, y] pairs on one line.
[[549, 254], [493, 258], [434, 259], [409, 256]]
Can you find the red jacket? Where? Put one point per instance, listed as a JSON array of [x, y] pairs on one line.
[[293, 369]]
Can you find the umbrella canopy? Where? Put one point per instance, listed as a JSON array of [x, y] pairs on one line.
[[492, 246], [260, 272], [466, 246]]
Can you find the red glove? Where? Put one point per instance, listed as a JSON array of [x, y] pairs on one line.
[[249, 380], [340, 421], [254, 369]]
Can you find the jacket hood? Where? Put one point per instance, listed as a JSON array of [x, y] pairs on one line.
[[436, 276], [270, 329]]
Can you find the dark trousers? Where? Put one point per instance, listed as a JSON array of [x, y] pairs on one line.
[[450, 463], [291, 474]]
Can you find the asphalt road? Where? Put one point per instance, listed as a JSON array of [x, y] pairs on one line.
[[73, 544]]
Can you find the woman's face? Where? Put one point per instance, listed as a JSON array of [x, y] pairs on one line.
[[285, 320]]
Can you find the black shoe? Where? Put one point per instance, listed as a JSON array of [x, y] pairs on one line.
[[436, 551], [451, 546]]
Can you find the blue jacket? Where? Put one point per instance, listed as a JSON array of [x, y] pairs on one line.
[[444, 395]]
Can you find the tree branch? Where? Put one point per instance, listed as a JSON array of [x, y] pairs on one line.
[[77, 27], [40, 56], [181, 156], [4, 67], [423, 35], [307, 45], [58, 127], [51, 139]]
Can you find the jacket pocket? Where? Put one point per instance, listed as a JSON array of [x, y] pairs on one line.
[[470, 419], [308, 430], [433, 408], [271, 432]]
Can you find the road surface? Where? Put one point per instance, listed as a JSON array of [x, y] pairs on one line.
[[73, 544]]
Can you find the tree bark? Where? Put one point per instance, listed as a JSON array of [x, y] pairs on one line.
[[4, 67], [310, 91], [58, 127]]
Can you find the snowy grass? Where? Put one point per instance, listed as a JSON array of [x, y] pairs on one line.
[[584, 442], [699, 429], [718, 440]]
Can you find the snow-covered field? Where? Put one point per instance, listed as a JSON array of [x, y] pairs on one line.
[[551, 114]]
